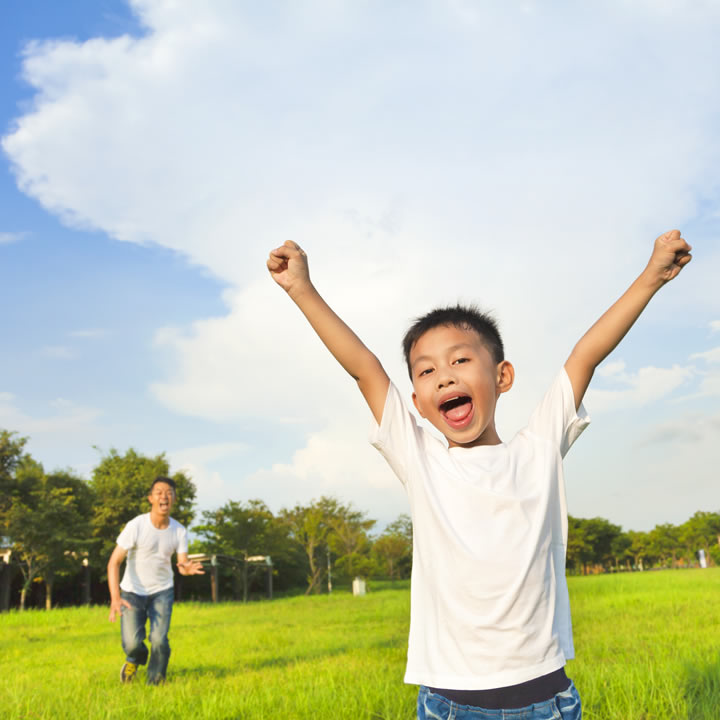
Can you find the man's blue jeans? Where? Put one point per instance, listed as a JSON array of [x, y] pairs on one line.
[[564, 706], [158, 609]]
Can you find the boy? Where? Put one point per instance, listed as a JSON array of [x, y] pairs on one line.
[[148, 541], [490, 618]]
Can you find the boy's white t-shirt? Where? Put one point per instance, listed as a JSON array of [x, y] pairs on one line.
[[489, 599], [148, 569]]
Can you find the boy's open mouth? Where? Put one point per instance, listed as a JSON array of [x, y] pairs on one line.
[[457, 411]]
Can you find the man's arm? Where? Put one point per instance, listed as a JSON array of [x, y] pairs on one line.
[[113, 572], [186, 566], [670, 254], [289, 268]]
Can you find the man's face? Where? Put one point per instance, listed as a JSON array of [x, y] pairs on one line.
[[456, 384], [161, 498]]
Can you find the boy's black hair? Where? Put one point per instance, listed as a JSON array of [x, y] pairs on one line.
[[467, 317], [161, 479]]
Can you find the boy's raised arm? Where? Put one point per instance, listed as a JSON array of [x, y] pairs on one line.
[[670, 254], [288, 266]]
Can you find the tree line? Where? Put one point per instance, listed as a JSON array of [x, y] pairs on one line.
[[597, 545], [52, 524], [57, 531]]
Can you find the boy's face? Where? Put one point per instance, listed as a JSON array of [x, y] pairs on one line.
[[457, 383], [161, 498]]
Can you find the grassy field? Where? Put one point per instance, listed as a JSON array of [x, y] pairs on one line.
[[648, 647]]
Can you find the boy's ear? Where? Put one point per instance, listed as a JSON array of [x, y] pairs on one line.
[[417, 405], [505, 376]]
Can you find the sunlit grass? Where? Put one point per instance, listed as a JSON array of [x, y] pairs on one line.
[[648, 647]]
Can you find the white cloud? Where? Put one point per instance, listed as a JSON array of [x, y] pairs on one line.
[[200, 463], [90, 333], [60, 352], [66, 419], [421, 153], [710, 383], [224, 129], [715, 326], [638, 473], [691, 428], [647, 386], [11, 237], [709, 356], [609, 369], [339, 462], [710, 375]]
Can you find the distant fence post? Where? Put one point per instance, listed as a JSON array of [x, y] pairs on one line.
[[214, 578], [6, 573], [245, 576], [86, 581], [329, 572], [265, 560]]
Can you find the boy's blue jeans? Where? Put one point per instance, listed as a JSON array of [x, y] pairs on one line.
[[564, 706], [158, 609]]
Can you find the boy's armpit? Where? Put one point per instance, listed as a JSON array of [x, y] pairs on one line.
[[397, 435], [556, 418]]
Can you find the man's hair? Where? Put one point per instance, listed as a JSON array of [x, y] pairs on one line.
[[161, 479], [466, 317]]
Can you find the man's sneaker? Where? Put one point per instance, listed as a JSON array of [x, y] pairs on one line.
[[128, 672]]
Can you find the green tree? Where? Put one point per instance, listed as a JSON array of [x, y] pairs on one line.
[[308, 526], [348, 539], [48, 525], [327, 526], [236, 529], [591, 542], [601, 534], [639, 549], [393, 549], [121, 484], [664, 543], [11, 454], [579, 551], [620, 549], [700, 531], [11, 450]]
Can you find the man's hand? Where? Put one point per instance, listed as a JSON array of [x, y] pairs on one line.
[[116, 608], [670, 254], [288, 266], [190, 567]]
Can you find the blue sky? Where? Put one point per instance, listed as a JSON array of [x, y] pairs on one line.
[[521, 155]]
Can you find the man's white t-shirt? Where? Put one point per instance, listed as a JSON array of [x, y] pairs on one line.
[[489, 599], [148, 569]]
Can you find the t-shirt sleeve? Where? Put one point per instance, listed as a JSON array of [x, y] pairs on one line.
[[182, 540], [556, 419], [397, 433], [127, 539]]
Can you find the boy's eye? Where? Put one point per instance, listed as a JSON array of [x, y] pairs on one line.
[[426, 371], [461, 360]]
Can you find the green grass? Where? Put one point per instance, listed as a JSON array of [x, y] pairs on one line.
[[648, 647]]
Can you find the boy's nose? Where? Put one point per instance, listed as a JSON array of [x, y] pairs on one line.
[[445, 380]]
